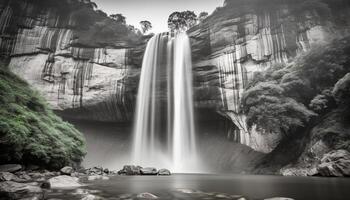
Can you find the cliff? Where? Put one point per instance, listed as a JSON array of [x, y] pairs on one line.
[[87, 65], [244, 37], [82, 61]]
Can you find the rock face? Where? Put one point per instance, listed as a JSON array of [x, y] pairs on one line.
[[87, 65], [70, 61], [244, 37]]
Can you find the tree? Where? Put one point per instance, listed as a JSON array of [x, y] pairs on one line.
[[270, 110], [119, 18], [182, 21], [145, 26], [202, 16]]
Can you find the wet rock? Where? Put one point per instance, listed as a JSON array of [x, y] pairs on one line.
[[14, 190], [10, 168], [147, 195], [91, 197], [130, 170], [23, 175], [298, 171], [335, 163], [67, 170], [64, 181], [7, 176], [164, 172], [149, 171], [279, 198]]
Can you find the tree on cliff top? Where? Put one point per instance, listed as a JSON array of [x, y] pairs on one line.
[[119, 18], [202, 16], [145, 26], [182, 21]]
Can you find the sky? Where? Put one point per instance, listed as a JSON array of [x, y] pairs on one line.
[[155, 11]]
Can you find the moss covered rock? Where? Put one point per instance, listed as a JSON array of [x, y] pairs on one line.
[[30, 133]]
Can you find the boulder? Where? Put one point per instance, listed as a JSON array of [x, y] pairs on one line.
[[10, 168], [64, 182], [164, 172], [7, 176], [335, 164], [130, 170], [147, 195], [67, 170], [149, 171], [14, 190]]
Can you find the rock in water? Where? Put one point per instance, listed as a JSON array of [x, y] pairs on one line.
[[164, 172], [336, 163], [130, 170], [7, 176], [64, 182], [149, 171], [10, 168], [67, 170], [13, 190], [147, 195]]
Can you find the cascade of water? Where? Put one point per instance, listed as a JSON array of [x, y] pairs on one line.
[[164, 133]]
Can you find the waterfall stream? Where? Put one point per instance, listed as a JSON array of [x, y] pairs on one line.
[[164, 131]]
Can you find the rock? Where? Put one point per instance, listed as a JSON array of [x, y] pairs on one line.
[[130, 170], [7, 176], [10, 168], [149, 171], [298, 171], [67, 170], [64, 181], [279, 198], [336, 163], [164, 172], [90, 197], [32, 167], [147, 195], [13, 190]]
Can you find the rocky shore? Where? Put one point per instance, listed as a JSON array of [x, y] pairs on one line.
[[32, 183]]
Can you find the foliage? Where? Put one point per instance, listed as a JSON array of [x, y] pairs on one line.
[[30, 132], [202, 16], [284, 98], [119, 18], [268, 108], [145, 26], [182, 21]]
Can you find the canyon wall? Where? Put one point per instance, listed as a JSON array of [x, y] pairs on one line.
[[83, 62], [87, 65], [244, 37]]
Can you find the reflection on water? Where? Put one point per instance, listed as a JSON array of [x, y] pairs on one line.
[[223, 187]]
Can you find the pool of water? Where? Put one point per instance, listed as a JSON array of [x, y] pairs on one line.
[[210, 186]]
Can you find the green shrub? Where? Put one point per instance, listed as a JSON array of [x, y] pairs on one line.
[[30, 133]]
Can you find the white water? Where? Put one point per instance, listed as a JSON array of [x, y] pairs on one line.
[[164, 132]]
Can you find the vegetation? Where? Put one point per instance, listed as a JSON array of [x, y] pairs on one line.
[[285, 98], [202, 16], [119, 18], [145, 26], [30, 133], [182, 21]]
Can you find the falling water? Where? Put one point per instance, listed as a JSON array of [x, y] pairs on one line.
[[164, 133]]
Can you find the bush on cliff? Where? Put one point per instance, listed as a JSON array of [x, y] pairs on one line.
[[298, 91], [30, 133]]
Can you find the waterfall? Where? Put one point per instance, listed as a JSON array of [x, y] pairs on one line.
[[164, 132]]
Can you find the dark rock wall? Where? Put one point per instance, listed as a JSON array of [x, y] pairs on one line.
[[81, 60]]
